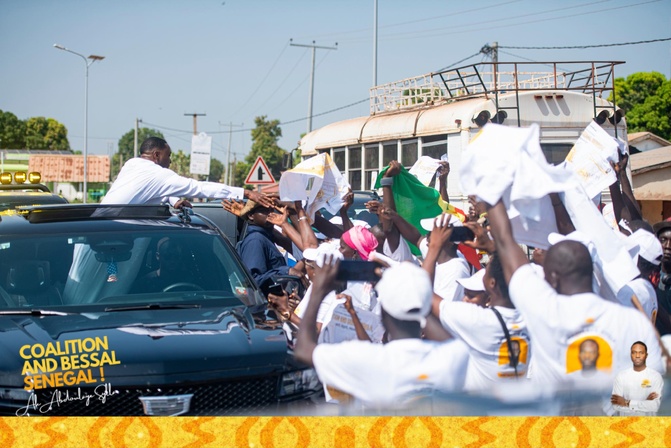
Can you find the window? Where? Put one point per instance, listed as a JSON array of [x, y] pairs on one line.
[[389, 152], [355, 179], [371, 164], [408, 152], [434, 146], [355, 167], [555, 153], [339, 158]]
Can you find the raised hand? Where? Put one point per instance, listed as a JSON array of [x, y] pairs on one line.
[[443, 170], [441, 231], [373, 206], [324, 280], [394, 169], [234, 206], [259, 198], [278, 219], [482, 241]]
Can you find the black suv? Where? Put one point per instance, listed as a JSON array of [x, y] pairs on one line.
[[134, 310]]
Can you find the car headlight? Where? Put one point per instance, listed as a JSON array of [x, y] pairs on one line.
[[299, 381]]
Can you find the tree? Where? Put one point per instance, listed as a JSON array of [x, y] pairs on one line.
[[56, 137], [12, 131], [264, 143], [126, 143], [46, 133], [180, 163], [645, 98], [216, 171]]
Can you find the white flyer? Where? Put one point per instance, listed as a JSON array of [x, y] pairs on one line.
[[590, 159], [317, 181]]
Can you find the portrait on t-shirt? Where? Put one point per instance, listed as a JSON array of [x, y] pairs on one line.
[[520, 347], [589, 354]]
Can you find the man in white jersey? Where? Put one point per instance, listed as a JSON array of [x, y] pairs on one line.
[[561, 310], [148, 180], [638, 389], [385, 375], [493, 358]]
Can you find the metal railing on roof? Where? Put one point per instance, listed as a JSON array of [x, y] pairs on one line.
[[492, 79]]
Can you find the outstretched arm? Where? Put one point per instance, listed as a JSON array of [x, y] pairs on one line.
[[443, 172], [511, 255]]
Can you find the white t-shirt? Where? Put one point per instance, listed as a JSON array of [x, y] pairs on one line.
[[636, 386], [481, 330], [402, 252], [446, 275], [142, 181], [558, 324], [645, 293], [388, 374], [325, 309]]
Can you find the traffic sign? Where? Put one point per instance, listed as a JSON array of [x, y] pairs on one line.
[[259, 174]]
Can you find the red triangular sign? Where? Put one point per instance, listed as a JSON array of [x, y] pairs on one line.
[[260, 174]]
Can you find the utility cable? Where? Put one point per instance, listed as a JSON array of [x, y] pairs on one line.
[[579, 47]]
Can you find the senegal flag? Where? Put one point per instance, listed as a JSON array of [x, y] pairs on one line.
[[415, 201]]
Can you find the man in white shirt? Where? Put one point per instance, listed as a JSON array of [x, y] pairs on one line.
[[490, 352], [561, 311], [637, 390], [385, 375], [148, 180]]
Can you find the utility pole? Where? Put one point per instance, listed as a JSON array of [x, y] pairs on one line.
[[195, 121], [495, 52], [375, 43], [137, 120], [312, 74], [227, 179]]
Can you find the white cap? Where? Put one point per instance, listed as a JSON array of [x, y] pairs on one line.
[[337, 220], [405, 292], [318, 254], [475, 282], [444, 219], [311, 253], [649, 246]]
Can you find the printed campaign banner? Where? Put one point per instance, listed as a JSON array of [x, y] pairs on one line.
[[317, 181], [590, 159], [201, 148], [341, 328]]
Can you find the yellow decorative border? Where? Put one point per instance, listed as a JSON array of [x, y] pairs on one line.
[[345, 432]]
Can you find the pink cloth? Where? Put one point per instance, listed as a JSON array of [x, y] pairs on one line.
[[361, 240]]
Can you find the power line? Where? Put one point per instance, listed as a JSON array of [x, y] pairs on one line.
[[576, 47], [251, 129], [328, 111], [460, 61]]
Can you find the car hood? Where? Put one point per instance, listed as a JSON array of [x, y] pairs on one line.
[[141, 346]]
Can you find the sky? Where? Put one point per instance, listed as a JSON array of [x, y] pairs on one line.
[[232, 60]]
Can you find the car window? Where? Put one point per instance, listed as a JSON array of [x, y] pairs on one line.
[[104, 269]]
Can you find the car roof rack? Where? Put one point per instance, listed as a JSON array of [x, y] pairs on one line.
[[8, 187], [77, 212]]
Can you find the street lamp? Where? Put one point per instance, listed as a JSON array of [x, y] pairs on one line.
[[87, 61]]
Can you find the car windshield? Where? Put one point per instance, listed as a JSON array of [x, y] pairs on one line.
[[159, 268]]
